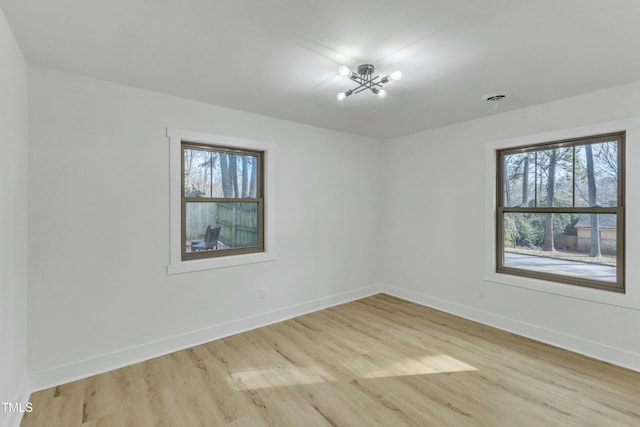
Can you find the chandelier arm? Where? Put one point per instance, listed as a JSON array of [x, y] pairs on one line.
[[372, 83], [368, 83], [359, 88], [362, 88]]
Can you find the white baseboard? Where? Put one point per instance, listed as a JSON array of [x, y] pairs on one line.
[[13, 419], [44, 379], [615, 356]]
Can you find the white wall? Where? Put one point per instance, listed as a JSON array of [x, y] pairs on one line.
[[100, 296], [13, 222], [436, 241]]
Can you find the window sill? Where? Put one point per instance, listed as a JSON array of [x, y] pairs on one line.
[[222, 262], [569, 291]]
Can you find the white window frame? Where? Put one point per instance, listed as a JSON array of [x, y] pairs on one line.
[[630, 299], [176, 137]]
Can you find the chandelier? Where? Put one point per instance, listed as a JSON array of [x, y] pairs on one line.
[[365, 80]]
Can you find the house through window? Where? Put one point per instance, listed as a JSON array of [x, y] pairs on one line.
[[560, 211]]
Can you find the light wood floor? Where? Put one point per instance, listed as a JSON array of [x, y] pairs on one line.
[[379, 361]]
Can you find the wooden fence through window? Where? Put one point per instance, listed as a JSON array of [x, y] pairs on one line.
[[239, 222]]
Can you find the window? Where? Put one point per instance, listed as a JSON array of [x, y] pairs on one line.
[[560, 211], [222, 204]]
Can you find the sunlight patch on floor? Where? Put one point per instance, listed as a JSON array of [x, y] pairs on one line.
[[362, 366], [278, 377], [375, 367]]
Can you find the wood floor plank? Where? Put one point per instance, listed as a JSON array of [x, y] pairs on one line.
[[379, 361]]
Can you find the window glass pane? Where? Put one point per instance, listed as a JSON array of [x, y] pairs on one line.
[[220, 174], [583, 245], [554, 173], [597, 174], [197, 173], [238, 175], [218, 226], [519, 179]]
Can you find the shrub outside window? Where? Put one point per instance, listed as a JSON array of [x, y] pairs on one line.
[[560, 211], [222, 201]]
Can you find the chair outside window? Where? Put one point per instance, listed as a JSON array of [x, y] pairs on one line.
[[210, 240]]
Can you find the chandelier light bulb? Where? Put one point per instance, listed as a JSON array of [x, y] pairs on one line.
[[343, 95], [344, 71], [380, 92], [396, 75]]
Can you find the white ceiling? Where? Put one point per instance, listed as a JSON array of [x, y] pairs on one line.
[[280, 57]]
